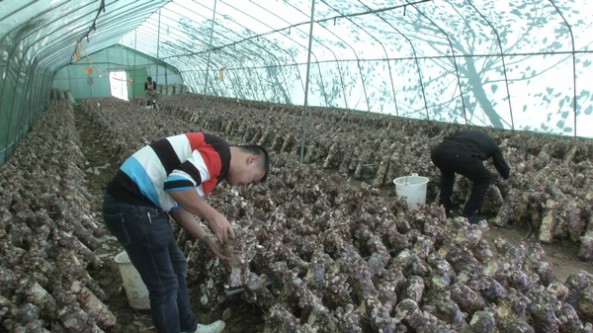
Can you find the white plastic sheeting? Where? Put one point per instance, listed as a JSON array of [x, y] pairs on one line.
[[521, 65], [514, 65]]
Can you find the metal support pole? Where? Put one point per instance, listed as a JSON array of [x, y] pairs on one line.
[[158, 47], [210, 48], [304, 119]]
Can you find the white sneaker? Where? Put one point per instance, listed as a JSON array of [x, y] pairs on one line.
[[215, 327]]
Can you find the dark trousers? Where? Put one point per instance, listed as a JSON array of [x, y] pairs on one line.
[[151, 96], [452, 158], [147, 236]]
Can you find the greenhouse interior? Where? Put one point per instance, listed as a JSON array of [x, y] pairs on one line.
[[353, 105]]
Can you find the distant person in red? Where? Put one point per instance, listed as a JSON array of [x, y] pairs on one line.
[[464, 153], [150, 90]]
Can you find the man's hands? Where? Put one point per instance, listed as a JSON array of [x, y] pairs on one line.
[[494, 178], [221, 227], [192, 204], [215, 247], [196, 205]]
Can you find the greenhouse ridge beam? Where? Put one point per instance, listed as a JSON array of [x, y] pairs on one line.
[[256, 36], [376, 11], [458, 56]]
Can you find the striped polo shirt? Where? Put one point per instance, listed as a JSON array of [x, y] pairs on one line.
[[188, 161]]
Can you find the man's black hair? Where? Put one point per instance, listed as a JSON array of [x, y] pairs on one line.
[[259, 151]]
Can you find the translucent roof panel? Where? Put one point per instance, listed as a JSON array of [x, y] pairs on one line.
[[481, 62], [48, 31], [522, 65]]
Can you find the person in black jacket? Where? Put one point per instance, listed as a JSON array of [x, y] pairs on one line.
[[464, 153], [150, 90]]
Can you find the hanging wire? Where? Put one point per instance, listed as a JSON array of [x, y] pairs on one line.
[[94, 24], [90, 69]]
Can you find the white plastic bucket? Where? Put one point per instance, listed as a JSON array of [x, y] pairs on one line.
[[135, 288], [412, 188]]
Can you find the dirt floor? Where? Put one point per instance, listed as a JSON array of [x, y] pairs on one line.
[[562, 256], [240, 316]]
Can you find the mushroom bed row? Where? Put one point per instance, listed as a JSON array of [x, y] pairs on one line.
[[314, 250]]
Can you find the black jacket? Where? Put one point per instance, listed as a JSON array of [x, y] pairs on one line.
[[146, 85], [482, 146]]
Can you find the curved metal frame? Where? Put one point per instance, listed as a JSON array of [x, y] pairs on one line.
[[574, 66], [32, 74], [454, 63], [504, 67]]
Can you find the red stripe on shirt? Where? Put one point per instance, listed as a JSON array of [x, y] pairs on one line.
[[211, 158]]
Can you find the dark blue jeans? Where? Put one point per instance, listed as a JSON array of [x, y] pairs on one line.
[[147, 236]]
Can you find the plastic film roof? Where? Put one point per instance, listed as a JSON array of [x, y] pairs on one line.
[[522, 65]]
